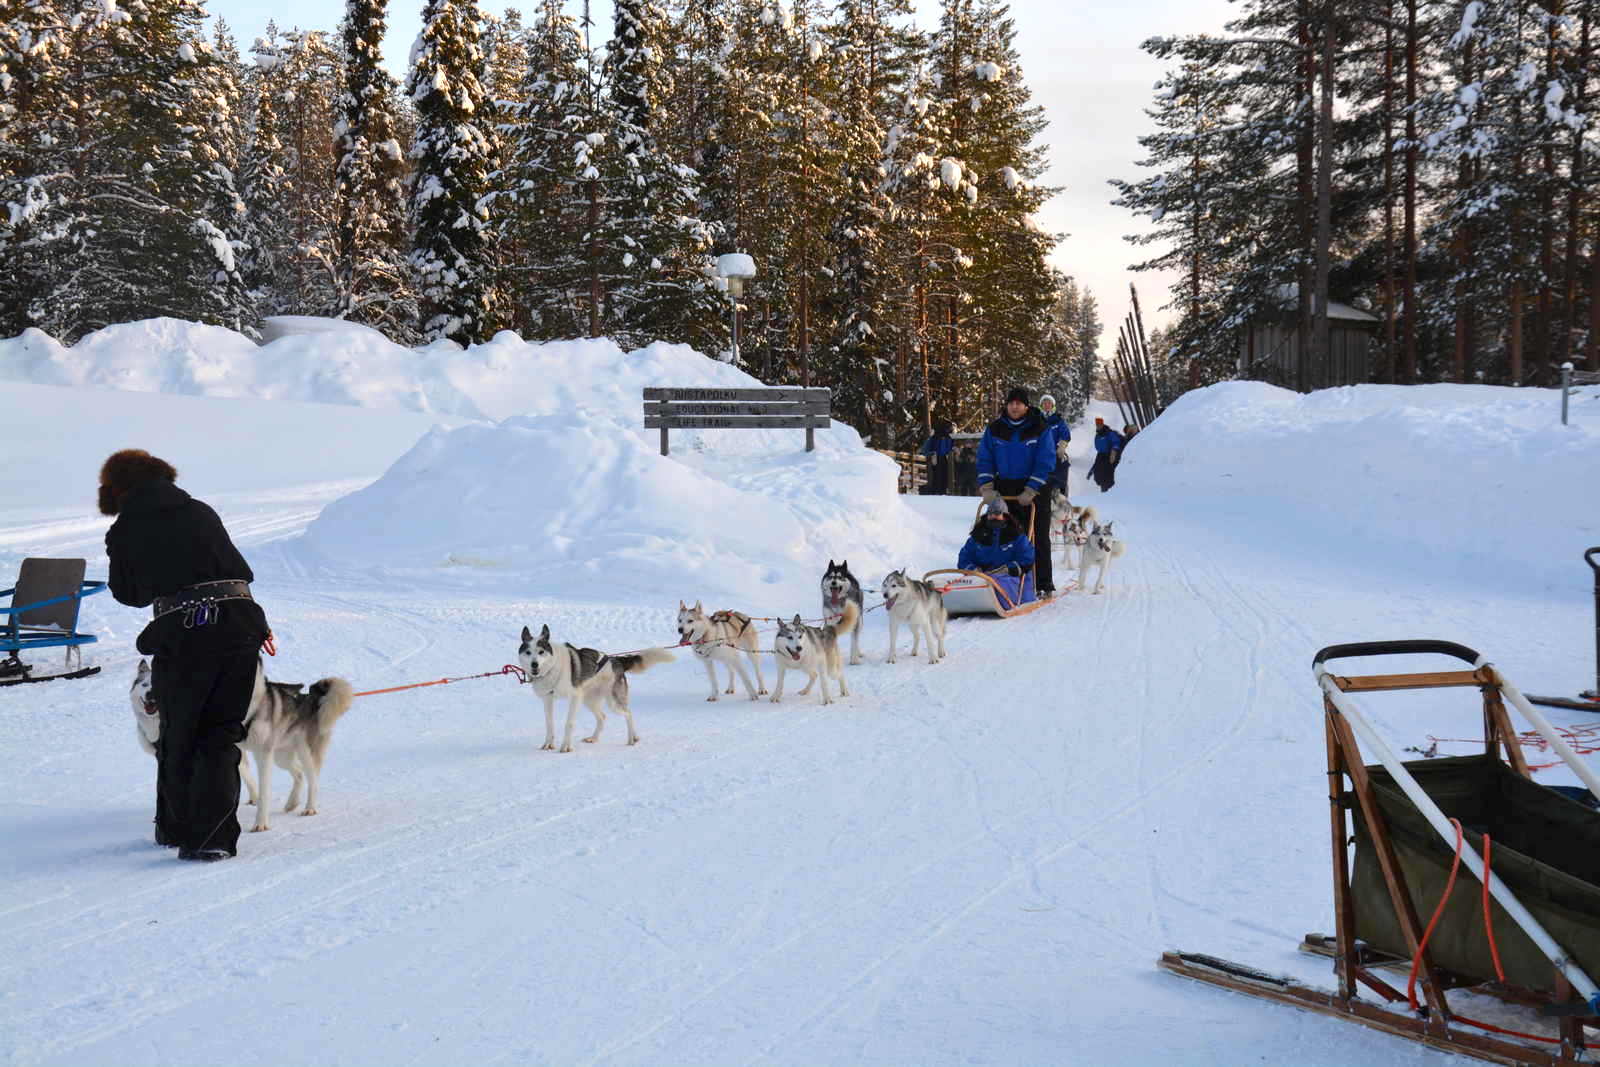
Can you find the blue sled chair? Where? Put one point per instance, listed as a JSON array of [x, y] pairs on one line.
[[43, 613]]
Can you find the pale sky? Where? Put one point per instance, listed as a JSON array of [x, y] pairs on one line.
[[1082, 62]]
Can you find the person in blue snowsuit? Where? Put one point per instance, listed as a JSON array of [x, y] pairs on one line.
[[1016, 458], [939, 449], [1054, 421], [1107, 449], [999, 548]]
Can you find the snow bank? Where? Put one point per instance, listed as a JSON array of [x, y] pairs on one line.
[[572, 493], [1479, 484], [350, 366]]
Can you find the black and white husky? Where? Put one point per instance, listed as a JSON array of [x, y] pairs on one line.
[[839, 587], [920, 606], [723, 637], [287, 724], [814, 652], [582, 676], [1103, 547]]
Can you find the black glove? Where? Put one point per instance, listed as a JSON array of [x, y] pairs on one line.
[[1013, 570]]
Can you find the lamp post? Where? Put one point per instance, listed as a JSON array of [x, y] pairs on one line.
[[733, 269]]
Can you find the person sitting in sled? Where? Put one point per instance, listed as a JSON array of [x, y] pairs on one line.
[[1000, 549]]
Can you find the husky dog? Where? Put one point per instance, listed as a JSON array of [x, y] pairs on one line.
[[814, 652], [840, 587], [283, 725], [584, 676], [920, 606], [721, 638], [291, 724], [147, 720], [1073, 523], [1103, 547]]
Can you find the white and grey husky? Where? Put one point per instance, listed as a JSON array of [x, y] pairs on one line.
[[723, 637], [288, 724], [292, 724], [1103, 547], [840, 587], [918, 605], [583, 676], [814, 652]]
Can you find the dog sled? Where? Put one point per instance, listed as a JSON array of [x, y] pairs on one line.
[[980, 593], [1523, 948], [43, 613], [1588, 700]]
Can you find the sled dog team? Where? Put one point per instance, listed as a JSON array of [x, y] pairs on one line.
[[292, 724]]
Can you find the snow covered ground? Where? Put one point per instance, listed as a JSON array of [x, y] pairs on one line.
[[977, 862]]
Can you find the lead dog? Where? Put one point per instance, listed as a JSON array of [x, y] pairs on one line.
[[723, 638], [582, 676], [918, 605], [814, 652]]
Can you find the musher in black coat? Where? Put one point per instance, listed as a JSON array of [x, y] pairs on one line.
[[169, 550]]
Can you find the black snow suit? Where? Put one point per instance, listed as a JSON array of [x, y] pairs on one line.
[[162, 542]]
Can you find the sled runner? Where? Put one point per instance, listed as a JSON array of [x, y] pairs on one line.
[[1590, 699], [1403, 836], [43, 613]]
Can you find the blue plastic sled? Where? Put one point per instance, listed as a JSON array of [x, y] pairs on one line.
[[43, 613]]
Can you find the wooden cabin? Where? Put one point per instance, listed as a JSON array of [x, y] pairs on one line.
[[1269, 347]]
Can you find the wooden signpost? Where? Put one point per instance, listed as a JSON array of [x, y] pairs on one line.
[[780, 408]]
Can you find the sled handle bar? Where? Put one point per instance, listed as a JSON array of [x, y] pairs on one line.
[[1589, 557], [1396, 648]]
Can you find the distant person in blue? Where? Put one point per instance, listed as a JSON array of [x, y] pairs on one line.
[[1016, 458], [1054, 421], [939, 449], [1000, 549], [1107, 449]]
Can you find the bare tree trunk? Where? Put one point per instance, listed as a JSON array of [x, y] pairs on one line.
[[1390, 283], [1516, 332], [1321, 349], [1547, 210], [1577, 192], [1463, 242], [1305, 191], [1409, 358], [594, 259]]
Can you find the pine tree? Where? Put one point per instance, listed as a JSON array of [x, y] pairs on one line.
[[132, 209], [372, 272], [658, 276], [542, 190], [874, 53], [32, 48], [453, 156]]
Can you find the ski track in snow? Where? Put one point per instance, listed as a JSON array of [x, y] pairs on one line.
[[1066, 740]]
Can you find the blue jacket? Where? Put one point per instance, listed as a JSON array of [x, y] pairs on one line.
[[1059, 425], [1110, 441], [1017, 455], [982, 553], [939, 445]]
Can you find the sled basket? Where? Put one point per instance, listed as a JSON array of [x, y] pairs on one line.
[[1546, 848]]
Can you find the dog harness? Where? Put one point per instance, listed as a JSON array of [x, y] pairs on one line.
[[199, 602]]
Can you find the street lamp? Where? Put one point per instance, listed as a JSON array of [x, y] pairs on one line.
[[734, 268]]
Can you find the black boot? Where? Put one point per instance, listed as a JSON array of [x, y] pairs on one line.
[[204, 855]]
